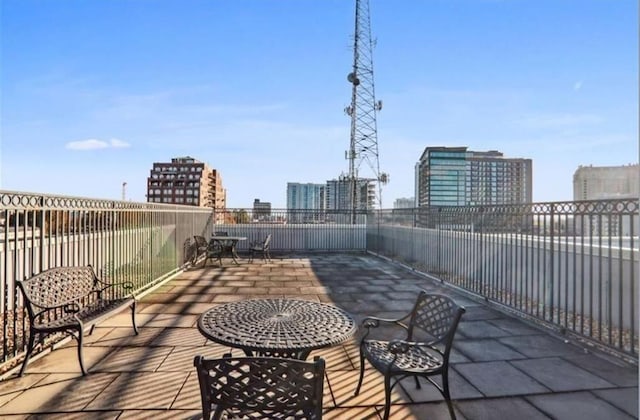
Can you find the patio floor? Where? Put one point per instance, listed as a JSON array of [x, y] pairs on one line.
[[502, 367]]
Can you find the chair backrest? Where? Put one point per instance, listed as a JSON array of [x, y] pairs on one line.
[[261, 387], [267, 241], [201, 242], [437, 315]]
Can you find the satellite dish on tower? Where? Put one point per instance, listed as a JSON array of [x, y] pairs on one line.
[[351, 77]]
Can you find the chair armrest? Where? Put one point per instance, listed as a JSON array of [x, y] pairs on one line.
[[125, 285], [371, 322]]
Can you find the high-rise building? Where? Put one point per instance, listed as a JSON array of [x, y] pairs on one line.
[[606, 182], [306, 203], [455, 176], [404, 203], [305, 196], [186, 181], [261, 209], [338, 194]]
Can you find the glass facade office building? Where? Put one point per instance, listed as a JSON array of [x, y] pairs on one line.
[[455, 176]]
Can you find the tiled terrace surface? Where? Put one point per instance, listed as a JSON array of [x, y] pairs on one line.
[[502, 368]]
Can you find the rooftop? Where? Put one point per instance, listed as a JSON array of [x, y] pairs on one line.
[[502, 367]]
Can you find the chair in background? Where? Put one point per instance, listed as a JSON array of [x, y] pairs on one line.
[[424, 352], [260, 387], [262, 247], [214, 250], [200, 247]]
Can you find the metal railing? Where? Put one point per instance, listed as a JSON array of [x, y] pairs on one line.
[[573, 265], [137, 242]]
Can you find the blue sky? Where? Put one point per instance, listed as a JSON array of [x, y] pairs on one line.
[[94, 92]]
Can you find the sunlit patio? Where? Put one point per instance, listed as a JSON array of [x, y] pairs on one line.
[[503, 368]]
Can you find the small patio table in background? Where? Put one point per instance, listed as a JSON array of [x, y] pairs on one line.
[[277, 327], [228, 245]]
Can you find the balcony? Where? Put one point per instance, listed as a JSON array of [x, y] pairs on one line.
[[534, 348]]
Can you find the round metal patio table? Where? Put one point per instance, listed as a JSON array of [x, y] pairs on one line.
[[277, 327]]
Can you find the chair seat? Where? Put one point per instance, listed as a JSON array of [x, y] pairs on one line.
[[418, 359]]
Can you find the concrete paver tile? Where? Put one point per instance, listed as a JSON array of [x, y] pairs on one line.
[[498, 379], [560, 375], [605, 368], [343, 384], [65, 360], [140, 391], [431, 411], [360, 413], [625, 399], [181, 358], [540, 345], [161, 414], [500, 409], [171, 321], [179, 337], [128, 359], [576, 406], [336, 358], [480, 329], [126, 337], [458, 387], [486, 350], [60, 392], [93, 415]]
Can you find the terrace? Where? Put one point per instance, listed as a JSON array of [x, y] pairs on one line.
[[550, 329]]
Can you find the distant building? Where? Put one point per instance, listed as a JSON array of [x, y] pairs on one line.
[[306, 196], [306, 203], [339, 194], [186, 181], [455, 176], [606, 182], [261, 210], [404, 203]]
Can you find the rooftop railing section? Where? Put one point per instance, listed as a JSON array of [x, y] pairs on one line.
[[570, 265]]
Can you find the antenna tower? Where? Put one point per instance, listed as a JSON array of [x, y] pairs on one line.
[[364, 131]]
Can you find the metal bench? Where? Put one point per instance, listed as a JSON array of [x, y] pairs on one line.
[[70, 300]]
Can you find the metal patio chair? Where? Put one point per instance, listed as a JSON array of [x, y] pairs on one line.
[[424, 352], [214, 250], [262, 247], [260, 387]]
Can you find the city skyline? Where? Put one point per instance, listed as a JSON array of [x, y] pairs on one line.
[[95, 92]]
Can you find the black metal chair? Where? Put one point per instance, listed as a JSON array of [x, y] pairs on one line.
[[260, 387], [214, 250], [423, 353], [200, 245], [262, 247]]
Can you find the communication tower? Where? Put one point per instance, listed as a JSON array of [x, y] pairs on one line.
[[364, 131]]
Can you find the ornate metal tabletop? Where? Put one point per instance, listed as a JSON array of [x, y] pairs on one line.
[[277, 327]]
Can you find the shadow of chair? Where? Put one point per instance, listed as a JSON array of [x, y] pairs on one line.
[[262, 247], [260, 387], [424, 352]]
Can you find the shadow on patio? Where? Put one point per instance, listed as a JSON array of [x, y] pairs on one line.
[[502, 368]]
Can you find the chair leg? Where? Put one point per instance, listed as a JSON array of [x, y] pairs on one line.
[[133, 317], [80, 340], [447, 395], [30, 346], [417, 381], [387, 396], [361, 374]]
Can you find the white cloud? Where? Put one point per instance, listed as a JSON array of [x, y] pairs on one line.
[[94, 144], [119, 144], [577, 85]]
